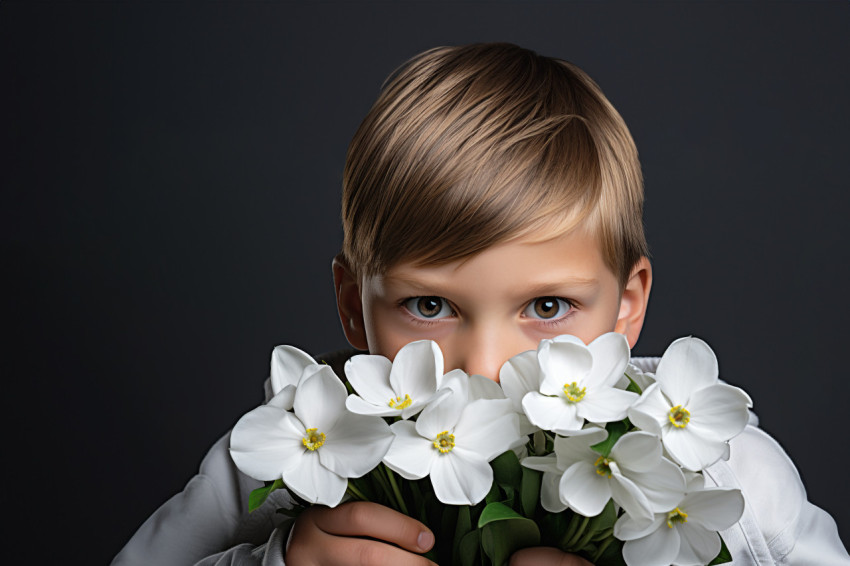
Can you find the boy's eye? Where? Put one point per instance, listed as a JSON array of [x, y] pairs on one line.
[[428, 307], [547, 308]]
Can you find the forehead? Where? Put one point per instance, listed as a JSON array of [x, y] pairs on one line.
[[523, 268]]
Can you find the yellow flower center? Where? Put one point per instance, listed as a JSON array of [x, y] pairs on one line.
[[679, 416], [444, 442], [573, 392], [676, 516], [313, 440], [603, 466], [399, 403]]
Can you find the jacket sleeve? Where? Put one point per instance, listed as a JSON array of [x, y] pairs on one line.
[[208, 522], [779, 524]]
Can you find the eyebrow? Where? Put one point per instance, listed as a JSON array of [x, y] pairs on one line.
[[536, 290]]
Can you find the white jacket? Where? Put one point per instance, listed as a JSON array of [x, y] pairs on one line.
[[208, 523]]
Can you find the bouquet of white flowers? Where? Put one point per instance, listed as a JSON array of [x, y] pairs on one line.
[[573, 448]]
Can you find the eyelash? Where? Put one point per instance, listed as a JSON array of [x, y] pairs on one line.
[[402, 304]]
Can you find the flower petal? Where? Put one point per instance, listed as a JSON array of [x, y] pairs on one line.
[[369, 375], [629, 496], [409, 455], [606, 405], [719, 412], [360, 406], [444, 411], [637, 451], [651, 410], [314, 483], [691, 451], [551, 413], [487, 427], [576, 448], [287, 365], [320, 398], [284, 398], [461, 477], [562, 363], [481, 387], [265, 442], [715, 509], [417, 368], [355, 445], [585, 491], [658, 548], [687, 366], [550, 494], [698, 545], [610, 358], [664, 486], [518, 376], [543, 464], [626, 528]]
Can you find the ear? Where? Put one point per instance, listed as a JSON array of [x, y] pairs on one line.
[[349, 303], [634, 300]]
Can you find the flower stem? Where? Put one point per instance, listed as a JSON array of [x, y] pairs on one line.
[[601, 550], [576, 531], [356, 492], [378, 475], [396, 490], [585, 538]]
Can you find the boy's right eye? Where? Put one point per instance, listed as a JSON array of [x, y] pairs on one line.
[[430, 308]]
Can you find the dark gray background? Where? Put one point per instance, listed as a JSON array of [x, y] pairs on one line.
[[170, 179]]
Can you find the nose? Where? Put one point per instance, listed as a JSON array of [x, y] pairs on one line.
[[482, 351]]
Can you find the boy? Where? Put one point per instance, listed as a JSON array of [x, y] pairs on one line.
[[491, 198]]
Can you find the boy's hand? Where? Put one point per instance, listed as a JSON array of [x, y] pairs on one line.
[[541, 555], [330, 537]]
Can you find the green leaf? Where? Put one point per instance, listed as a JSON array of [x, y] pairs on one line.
[[462, 528], [497, 512], [724, 556], [615, 431], [468, 548], [494, 495], [259, 495], [633, 386], [553, 527], [530, 491], [507, 471], [504, 531]]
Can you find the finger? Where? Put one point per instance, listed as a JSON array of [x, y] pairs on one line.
[[366, 519], [365, 552], [544, 555]]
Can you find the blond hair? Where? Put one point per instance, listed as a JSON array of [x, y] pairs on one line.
[[471, 146]]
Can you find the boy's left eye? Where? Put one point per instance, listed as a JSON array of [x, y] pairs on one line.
[[430, 308], [547, 308]]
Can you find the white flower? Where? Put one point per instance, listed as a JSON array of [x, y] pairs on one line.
[[693, 412], [518, 376], [453, 440], [684, 535], [399, 388], [315, 449], [641, 378], [578, 383], [288, 364], [634, 475]]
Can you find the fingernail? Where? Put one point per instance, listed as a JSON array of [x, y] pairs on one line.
[[425, 540]]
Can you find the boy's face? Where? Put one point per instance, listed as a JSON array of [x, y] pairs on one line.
[[496, 304]]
